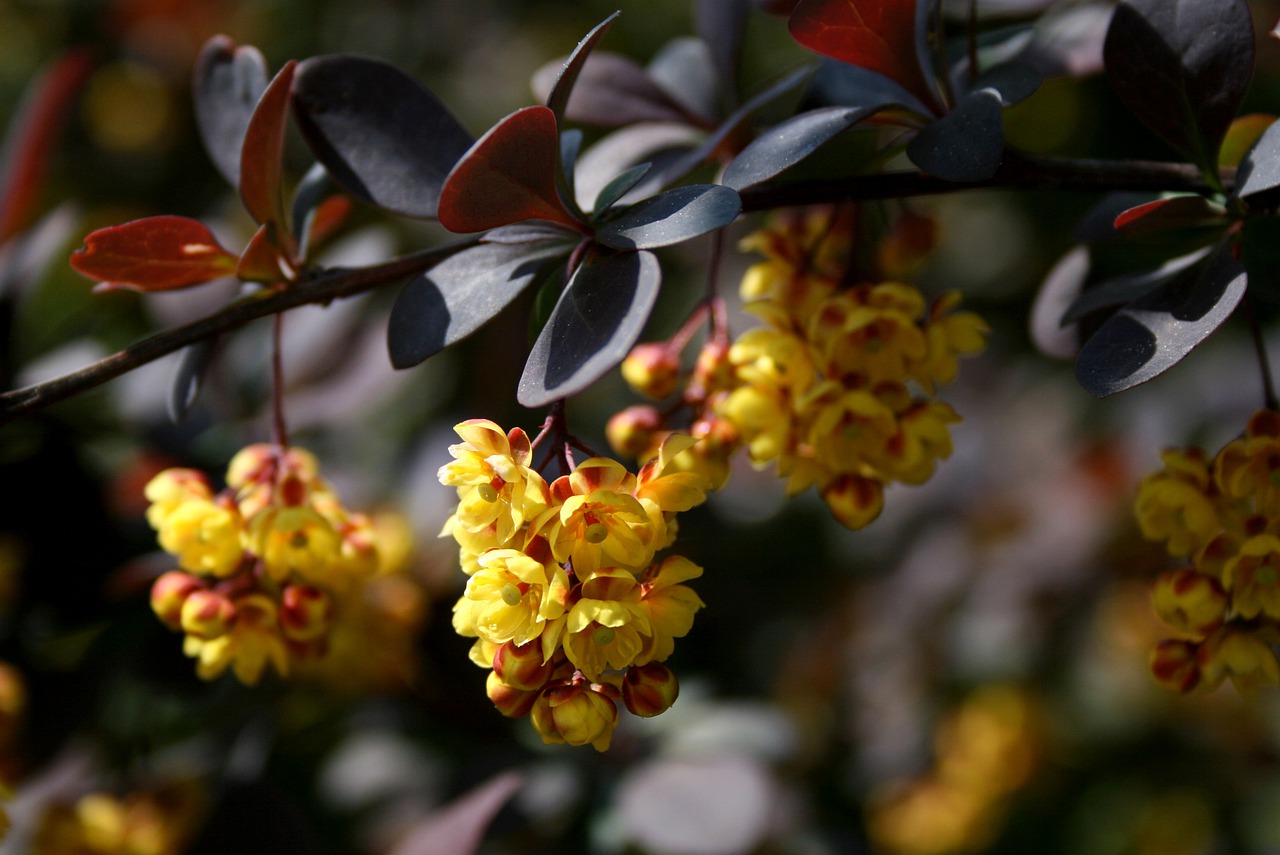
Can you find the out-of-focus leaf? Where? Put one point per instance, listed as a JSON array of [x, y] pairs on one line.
[[227, 84], [189, 377], [383, 138], [262, 156], [786, 144], [721, 24], [314, 187], [598, 318], [1060, 288], [837, 84], [1128, 287], [531, 232], [458, 827], [652, 142], [570, 147], [672, 217], [153, 254], [459, 295], [1156, 331], [1068, 39], [1182, 66], [1173, 212], [1099, 222], [1015, 81], [507, 176], [619, 187], [558, 99], [613, 91], [967, 144], [879, 35], [686, 71], [32, 135], [1260, 169], [261, 260], [1241, 136]]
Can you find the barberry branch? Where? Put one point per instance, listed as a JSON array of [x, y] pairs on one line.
[[1021, 171]]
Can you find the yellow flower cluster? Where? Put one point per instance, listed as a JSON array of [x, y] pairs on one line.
[[986, 749], [262, 562], [145, 822], [1223, 516], [565, 596]]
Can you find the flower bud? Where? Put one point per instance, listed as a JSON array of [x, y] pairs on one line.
[[854, 500], [510, 701], [630, 432], [1189, 601], [521, 666], [168, 594], [652, 369], [1241, 655], [1174, 664], [251, 464], [304, 612], [576, 713], [649, 690], [712, 370], [207, 614]]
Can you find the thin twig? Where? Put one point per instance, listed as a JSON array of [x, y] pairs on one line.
[[280, 431], [1260, 348]]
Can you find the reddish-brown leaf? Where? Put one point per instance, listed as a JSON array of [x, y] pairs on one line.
[[261, 260], [261, 157], [509, 175], [153, 254], [879, 35]]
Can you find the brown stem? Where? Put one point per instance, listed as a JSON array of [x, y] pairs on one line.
[[280, 433], [323, 288], [1260, 349]]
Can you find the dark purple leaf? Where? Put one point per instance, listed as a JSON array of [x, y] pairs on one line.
[[262, 157], [672, 217], [967, 144], [1128, 287], [570, 147], [507, 176], [837, 84], [1260, 169], [461, 294], [619, 187], [383, 138], [686, 71], [1156, 331], [311, 191], [1182, 66], [721, 24], [1060, 288], [786, 144], [1015, 81], [534, 231], [227, 84], [593, 326], [189, 377], [879, 35], [1174, 212], [458, 827], [660, 144], [613, 91], [558, 98]]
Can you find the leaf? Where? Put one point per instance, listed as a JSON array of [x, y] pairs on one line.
[[967, 144], [879, 35], [619, 187], [226, 86], [786, 144], [721, 25], [1260, 169], [657, 143], [1242, 134], [262, 157], [261, 260], [189, 377], [458, 827], [32, 136], [1156, 331], [672, 217], [531, 232], [1060, 288], [839, 85], [507, 176], [1127, 287], [153, 254], [1015, 81], [1182, 67], [558, 98], [314, 187], [383, 138], [1173, 212], [597, 319], [459, 295], [685, 70], [613, 91]]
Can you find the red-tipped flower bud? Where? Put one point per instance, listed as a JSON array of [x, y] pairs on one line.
[[854, 500], [576, 713], [168, 594], [1174, 664], [1189, 601], [649, 690], [510, 701], [207, 614], [304, 612], [630, 432], [521, 666], [652, 369]]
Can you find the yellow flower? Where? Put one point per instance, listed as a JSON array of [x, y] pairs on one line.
[[669, 606], [496, 486], [576, 713], [597, 519], [849, 431], [512, 596], [171, 489], [1189, 601], [871, 332], [1241, 655], [1253, 577], [922, 440], [605, 629], [1173, 506], [950, 335], [294, 541], [252, 643], [205, 536]]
